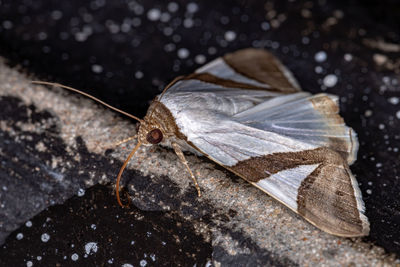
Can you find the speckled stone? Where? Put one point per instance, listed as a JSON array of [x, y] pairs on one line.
[[243, 224]]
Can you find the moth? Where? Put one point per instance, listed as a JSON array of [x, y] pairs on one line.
[[246, 112]]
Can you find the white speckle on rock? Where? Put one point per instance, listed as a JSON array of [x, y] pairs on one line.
[[318, 69], [74, 257], [224, 20], [200, 59], [91, 248], [42, 36], [381, 126], [172, 7], [29, 264], [394, 100], [176, 38], [7, 24], [192, 7], [380, 59], [230, 36], [368, 113], [183, 53], [330, 80], [81, 192], [45, 237], [136, 22], [139, 75], [348, 57], [386, 79], [188, 23], [81, 36], [212, 50], [169, 47], [320, 56], [56, 14], [28, 224], [125, 27], [93, 226], [20, 236], [168, 31], [165, 17], [126, 265], [113, 27], [275, 45], [398, 114], [154, 14], [305, 40], [143, 263], [39, 258], [97, 68], [265, 26], [369, 191], [136, 8]]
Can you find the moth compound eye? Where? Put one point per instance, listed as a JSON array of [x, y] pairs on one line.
[[155, 136]]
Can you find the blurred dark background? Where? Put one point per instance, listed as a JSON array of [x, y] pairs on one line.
[[125, 52]]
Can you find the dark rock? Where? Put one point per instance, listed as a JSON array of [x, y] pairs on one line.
[[52, 144]]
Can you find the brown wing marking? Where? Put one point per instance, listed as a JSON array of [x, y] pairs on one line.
[[209, 78], [262, 66], [327, 197], [344, 141]]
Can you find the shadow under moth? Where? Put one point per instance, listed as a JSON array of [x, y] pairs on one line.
[[246, 112]]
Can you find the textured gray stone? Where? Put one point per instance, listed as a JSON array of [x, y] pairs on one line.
[[245, 225]]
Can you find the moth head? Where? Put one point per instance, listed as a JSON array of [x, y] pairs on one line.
[[154, 136], [149, 134]]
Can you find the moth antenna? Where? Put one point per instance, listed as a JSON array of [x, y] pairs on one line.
[[170, 84], [120, 174], [89, 96], [125, 140], [166, 88]]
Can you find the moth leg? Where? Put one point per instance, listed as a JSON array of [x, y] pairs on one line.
[[181, 156], [124, 140]]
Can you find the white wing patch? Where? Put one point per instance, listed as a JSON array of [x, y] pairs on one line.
[[219, 68], [296, 116], [229, 142], [253, 66], [191, 94], [284, 185]]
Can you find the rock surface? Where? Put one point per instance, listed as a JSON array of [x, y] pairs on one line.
[[55, 146]]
